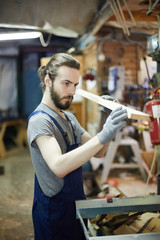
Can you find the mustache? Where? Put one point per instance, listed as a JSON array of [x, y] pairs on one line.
[[69, 96]]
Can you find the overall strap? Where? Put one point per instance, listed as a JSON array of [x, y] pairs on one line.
[[55, 122], [73, 130]]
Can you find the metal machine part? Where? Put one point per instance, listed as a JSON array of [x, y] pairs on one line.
[[91, 208]]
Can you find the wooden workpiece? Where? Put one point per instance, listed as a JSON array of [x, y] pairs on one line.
[[132, 113]]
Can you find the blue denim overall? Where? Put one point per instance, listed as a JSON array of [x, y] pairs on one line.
[[54, 218]]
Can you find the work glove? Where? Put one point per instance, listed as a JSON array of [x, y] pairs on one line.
[[110, 98], [107, 97], [114, 122]]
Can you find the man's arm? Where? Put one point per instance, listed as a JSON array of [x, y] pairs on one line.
[[62, 164], [86, 137]]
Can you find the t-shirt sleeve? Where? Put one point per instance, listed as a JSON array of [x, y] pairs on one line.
[[39, 125]]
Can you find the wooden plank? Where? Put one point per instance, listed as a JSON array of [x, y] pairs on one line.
[[145, 223], [153, 226], [138, 16], [132, 113]]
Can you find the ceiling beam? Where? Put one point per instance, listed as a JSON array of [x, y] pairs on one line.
[[105, 15], [138, 16]]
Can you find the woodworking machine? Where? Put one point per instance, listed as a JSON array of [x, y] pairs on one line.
[[91, 208]]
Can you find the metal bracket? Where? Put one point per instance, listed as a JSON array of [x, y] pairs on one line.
[[90, 208]]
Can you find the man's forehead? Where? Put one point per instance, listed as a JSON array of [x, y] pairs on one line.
[[66, 69], [68, 72]]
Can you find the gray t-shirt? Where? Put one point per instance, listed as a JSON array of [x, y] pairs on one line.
[[41, 124]]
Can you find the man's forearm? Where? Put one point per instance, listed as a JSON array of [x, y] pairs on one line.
[[74, 159], [102, 152]]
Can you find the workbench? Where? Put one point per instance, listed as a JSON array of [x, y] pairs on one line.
[[19, 139]]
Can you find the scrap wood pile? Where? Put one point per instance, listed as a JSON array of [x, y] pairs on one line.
[[126, 223]]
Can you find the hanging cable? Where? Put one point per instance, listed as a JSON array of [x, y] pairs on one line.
[[150, 172], [45, 44]]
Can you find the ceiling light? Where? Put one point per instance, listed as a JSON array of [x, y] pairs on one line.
[[19, 35]]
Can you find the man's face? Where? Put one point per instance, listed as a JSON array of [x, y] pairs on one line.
[[64, 87]]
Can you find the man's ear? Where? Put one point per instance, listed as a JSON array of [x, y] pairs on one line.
[[48, 81]]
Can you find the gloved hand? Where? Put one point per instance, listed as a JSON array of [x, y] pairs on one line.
[[114, 122], [107, 97], [110, 98]]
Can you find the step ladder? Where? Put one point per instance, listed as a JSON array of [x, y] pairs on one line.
[[109, 164]]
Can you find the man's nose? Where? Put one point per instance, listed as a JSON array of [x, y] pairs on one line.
[[72, 89]]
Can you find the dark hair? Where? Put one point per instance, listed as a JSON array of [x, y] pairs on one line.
[[56, 61]]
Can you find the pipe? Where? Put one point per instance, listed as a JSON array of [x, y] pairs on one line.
[[131, 16], [124, 21], [116, 13]]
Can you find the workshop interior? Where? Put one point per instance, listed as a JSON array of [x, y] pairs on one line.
[[117, 43]]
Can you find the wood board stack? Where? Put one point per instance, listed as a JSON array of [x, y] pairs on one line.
[[126, 223]]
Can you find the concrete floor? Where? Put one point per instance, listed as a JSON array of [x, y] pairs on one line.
[[16, 194]]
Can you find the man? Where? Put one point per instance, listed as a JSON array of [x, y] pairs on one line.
[[59, 146]]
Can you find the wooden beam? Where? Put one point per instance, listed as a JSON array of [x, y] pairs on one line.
[[138, 17], [132, 113], [105, 14]]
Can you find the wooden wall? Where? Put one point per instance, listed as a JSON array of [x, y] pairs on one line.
[[128, 55], [79, 107], [90, 57], [90, 62]]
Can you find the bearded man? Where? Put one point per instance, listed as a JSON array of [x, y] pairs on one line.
[[59, 146]]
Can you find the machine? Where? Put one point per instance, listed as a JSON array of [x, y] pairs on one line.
[[91, 208]]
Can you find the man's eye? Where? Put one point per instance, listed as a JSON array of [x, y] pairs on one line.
[[66, 83]]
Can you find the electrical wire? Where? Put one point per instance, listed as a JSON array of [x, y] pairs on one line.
[[150, 171], [45, 44], [128, 41]]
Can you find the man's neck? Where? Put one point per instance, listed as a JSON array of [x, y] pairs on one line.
[[51, 105]]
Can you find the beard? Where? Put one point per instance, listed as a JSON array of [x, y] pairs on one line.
[[57, 100]]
